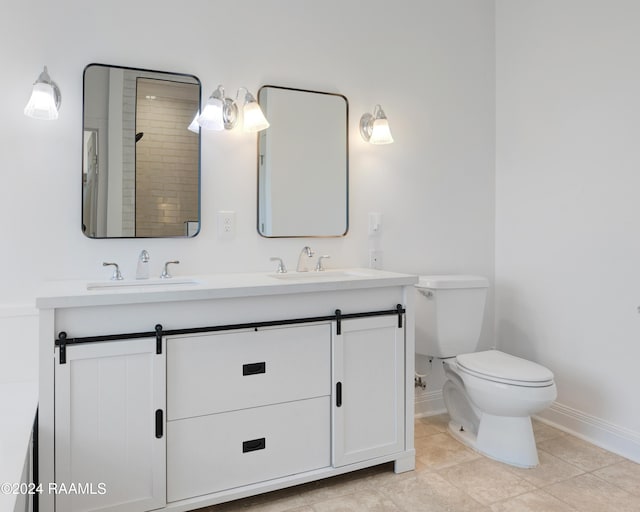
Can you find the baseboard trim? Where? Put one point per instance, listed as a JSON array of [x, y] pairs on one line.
[[594, 430], [429, 403], [611, 437]]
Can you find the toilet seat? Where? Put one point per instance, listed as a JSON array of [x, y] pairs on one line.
[[497, 366]]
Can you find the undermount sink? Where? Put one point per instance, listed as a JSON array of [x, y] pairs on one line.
[[319, 276], [141, 283]]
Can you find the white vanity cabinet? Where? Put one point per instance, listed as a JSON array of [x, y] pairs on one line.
[[178, 398]]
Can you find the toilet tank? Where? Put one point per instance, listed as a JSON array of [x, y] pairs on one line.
[[449, 313]]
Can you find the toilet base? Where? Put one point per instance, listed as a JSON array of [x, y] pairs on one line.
[[506, 439]]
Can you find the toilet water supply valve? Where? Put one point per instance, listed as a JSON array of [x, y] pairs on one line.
[[420, 379]]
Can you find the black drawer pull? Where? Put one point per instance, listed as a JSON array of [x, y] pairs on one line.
[[159, 424], [254, 368], [253, 445], [339, 394]]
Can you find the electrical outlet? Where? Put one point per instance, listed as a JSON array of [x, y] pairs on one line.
[[375, 259], [226, 225]]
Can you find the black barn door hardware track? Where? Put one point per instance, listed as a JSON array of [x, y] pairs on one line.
[[62, 341]]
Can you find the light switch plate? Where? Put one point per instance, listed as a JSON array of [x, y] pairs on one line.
[[375, 223]]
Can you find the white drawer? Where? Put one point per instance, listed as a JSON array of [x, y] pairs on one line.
[[221, 451], [233, 370]]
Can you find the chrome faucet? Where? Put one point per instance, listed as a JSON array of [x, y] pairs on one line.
[[165, 273], [116, 276], [319, 267], [142, 271], [302, 266]]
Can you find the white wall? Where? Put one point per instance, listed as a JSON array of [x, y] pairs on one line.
[[18, 344], [430, 64], [567, 209]]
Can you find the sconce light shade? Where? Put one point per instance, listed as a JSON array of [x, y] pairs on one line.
[[219, 113], [45, 98], [211, 116], [381, 134], [253, 117], [194, 126], [375, 128]]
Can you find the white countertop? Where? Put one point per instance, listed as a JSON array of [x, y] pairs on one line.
[[65, 294], [19, 402]]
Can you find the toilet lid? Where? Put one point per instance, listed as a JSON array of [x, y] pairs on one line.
[[501, 367]]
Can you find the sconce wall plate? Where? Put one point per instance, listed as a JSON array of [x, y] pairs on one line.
[[229, 114], [366, 126]]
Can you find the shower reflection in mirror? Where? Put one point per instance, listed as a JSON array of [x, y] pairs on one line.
[[141, 166]]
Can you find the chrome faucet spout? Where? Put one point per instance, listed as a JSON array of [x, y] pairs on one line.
[[142, 270], [302, 263]]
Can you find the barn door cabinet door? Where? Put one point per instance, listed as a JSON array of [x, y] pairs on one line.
[[110, 423], [368, 389]]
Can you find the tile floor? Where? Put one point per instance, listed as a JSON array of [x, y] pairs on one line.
[[573, 476]]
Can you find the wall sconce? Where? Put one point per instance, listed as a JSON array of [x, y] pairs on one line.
[[375, 128], [45, 98], [221, 113]]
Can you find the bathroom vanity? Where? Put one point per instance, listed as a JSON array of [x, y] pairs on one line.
[[213, 388]]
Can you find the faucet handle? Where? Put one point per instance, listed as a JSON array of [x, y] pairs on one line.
[[165, 273], [319, 267], [281, 268], [117, 275]]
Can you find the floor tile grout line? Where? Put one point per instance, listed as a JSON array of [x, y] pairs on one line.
[[592, 473]]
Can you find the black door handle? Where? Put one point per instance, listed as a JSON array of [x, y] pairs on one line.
[[253, 445], [254, 368], [159, 424]]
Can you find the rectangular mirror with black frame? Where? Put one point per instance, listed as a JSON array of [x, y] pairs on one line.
[[303, 164], [141, 163]]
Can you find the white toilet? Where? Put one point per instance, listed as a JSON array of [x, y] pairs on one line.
[[489, 395]]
